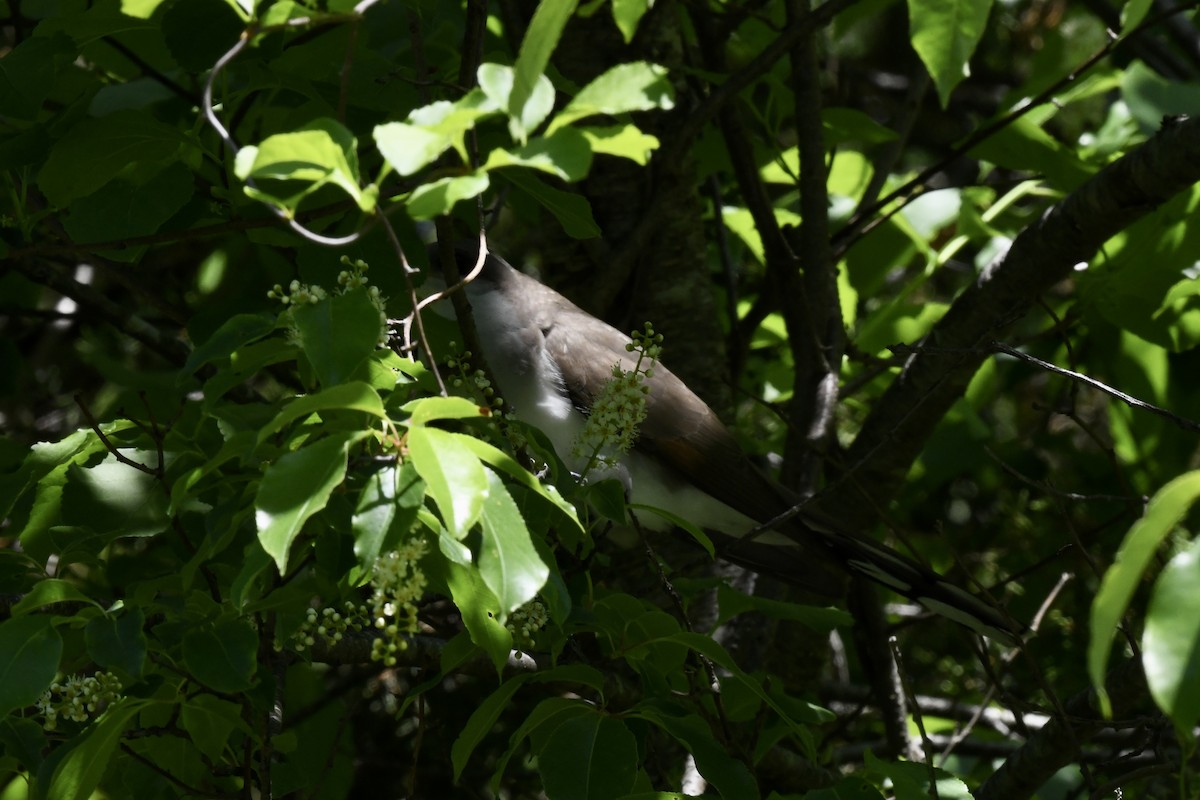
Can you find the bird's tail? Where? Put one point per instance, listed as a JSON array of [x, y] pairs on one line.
[[817, 569], [889, 568]]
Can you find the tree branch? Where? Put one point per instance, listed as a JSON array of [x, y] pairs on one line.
[[1045, 253]]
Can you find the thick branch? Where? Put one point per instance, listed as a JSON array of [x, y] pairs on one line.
[[1057, 744], [1045, 253]]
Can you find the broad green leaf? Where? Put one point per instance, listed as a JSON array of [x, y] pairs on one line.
[[115, 499], [352, 396], [945, 34], [622, 141], [50, 591], [454, 478], [338, 334], [571, 210], [851, 125], [1171, 641], [198, 32], [481, 612], [532, 95], [549, 714], [222, 655], [30, 649], [24, 740], [429, 409], [1165, 509], [434, 199], [209, 720], [730, 776], [497, 458], [29, 71], [589, 756], [482, 720], [294, 488], [80, 771], [140, 9], [627, 14], [409, 148], [508, 561], [238, 330], [636, 86], [118, 642], [386, 511], [95, 151], [322, 152], [564, 154], [1024, 145]]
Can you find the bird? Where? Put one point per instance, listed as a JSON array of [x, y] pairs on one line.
[[552, 360]]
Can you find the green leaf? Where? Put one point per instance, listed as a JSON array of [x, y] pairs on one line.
[[409, 147], [238, 330], [508, 561], [50, 591], [910, 780], [549, 714], [29, 72], [730, 776], [1171, 641], [24, 740], [294, 488], [115, 499], [588, 757], [571, 210], [80, 771], [222, 655], [434, 199], [123, 209], [1163, 513], [564, 154], [30, 649], [480, 611], [198, 32], [636, 86], [1025, 145], [455, 479], [622, 141], [627, 14], [498, 459], [431, 130], [527, 104], [338, 334], [118, 642], [352, 396], [386, 510], [322, 152], [482, 720], [97, 150], [945, 34], [428, 409], [209, 721]]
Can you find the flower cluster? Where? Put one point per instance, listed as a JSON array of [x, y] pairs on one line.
[[298, 294], [398, 582], [329, 624], [612, 426], [355, 277], [78, 698], [475, 380], [525, 622], [349, 279]]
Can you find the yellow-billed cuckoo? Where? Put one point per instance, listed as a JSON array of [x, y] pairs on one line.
[[552, 359]]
